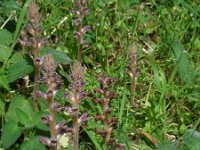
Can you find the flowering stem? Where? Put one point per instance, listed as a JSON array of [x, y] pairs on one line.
[[76, 95], [52, 114], [75, 122], [106, 123], [132, 65], [37, 71], [80, 26], [34, 29]]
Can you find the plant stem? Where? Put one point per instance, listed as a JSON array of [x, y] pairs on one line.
[[52, 115], [132, 65], [75, 122], [106, 123], [76, 131], [37, 70], [80, 26], [133, 85], [34, 29]]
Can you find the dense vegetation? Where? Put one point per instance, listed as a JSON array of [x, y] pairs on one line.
[[108, 74]]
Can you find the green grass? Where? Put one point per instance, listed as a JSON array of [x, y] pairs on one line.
[[167, 88]]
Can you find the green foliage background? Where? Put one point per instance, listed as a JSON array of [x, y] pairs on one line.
[[167, 90]]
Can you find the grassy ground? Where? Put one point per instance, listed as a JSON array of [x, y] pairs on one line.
[[167, 91]]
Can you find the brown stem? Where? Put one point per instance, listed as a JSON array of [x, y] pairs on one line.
[[37, 70], [36, 88], [106, 122], [80, 42], [75, 123], [133, 64], [52, 114], [76, 132], [34, 29], [108, 130], [133, 85]]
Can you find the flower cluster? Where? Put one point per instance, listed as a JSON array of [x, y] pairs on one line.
[[109, 123], [45, 73], [80, 11], [75, 95], [34, 30], [49, 75], [53, 83], [64, 135]]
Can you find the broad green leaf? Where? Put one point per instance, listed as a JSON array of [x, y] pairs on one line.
[[5, 37], [167, 146], [2, 70], [20, 24], [10, 6], [185, 69], [10, 133], [1, 20], [22, 117], [32, 144], [16, 57], [4, 82], [197, 43], [60, 57], [182, 128], [2, 105], [37, 121], [183, 147], [5, 53], [18, 70], [192, 139], [21, 103]]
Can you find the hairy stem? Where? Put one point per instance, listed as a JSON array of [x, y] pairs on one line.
[[52, 114], [37, 71], [36, 88], [106, 123], [76, 132], [75, 122], [80, 26], [133, 64]]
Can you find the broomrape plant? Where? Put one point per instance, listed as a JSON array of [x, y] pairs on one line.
[[51, 101]]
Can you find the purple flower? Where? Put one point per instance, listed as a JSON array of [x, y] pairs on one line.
[[83, 118], [61, 128], [74, 11], [86, 29], [76, 21], [82, 95], [58, 107], [85, 11], [48, 141], [68, 96], [70, 111], [45, 119], [41, 94], [44, 140], [76, 35]]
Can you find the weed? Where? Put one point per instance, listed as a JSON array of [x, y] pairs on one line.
[[157, 109]]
